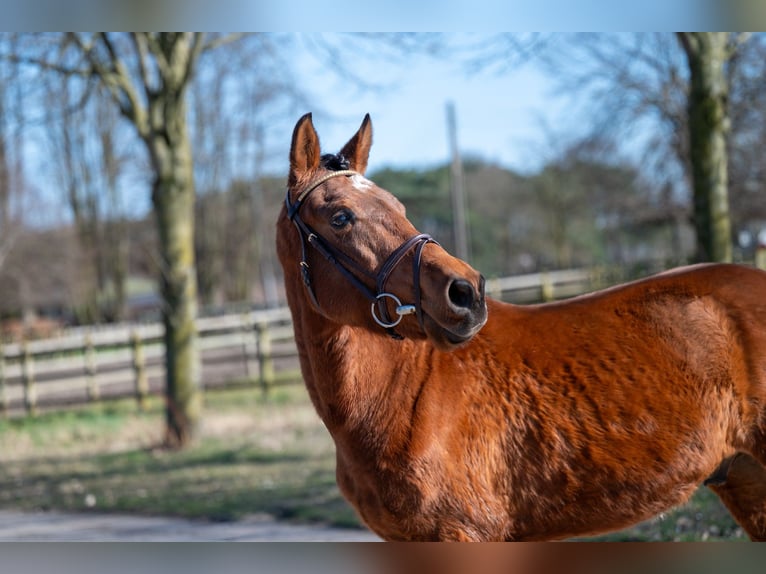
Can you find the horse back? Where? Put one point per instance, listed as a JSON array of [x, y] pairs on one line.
[[711, 318]]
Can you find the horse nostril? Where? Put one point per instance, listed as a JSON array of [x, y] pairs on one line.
[[461, 293]]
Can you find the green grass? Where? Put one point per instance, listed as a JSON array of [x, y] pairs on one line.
[[254, 455]]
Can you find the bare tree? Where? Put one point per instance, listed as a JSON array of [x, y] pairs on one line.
[[11, 162], [115, 243], [211, 131], [687, 90], [747, 137], [80, 134], [646, 81], [148, 75], [236, 100], [708, 123]]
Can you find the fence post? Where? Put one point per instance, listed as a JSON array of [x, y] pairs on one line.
[[493, 288], [760, 256], [265, 364], [90, 369], [246, 342], [28, 380], [3, 395], [546, 287], [139, 370]]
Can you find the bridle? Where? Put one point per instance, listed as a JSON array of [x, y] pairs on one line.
[[351, 270]]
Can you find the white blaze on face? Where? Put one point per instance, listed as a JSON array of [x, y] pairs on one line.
[[360, 182]]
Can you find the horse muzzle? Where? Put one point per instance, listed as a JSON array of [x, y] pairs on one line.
[[462, 315]]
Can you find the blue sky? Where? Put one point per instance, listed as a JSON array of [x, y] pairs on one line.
[[500, 117], [506, 118]]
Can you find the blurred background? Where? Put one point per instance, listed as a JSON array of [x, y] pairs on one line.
[[141, 176], [572, 150]]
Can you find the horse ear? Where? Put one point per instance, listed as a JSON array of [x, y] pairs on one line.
[[304, 151], [357, 150]]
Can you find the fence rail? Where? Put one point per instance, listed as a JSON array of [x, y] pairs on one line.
[[253, 348], [88, 365]]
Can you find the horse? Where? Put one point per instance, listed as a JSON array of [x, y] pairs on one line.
[[460, 417]]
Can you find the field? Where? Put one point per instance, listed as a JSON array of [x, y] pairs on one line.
[[255, 454]]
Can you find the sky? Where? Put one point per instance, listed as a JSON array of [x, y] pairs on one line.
[[509, 118], [500, 117], [505, 118]]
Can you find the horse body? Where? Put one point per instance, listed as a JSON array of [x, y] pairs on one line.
[[551, 421]]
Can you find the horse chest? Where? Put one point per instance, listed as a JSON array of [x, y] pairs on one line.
[[436, 494]]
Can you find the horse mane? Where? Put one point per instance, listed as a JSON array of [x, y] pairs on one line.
[[334, 161]]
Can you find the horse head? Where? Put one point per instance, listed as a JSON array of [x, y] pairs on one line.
[[359, 259]]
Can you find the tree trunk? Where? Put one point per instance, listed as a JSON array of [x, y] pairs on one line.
[[146, 75], [173, 200], [706, 53]]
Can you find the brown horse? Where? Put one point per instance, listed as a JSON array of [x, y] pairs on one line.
[[460, 418]]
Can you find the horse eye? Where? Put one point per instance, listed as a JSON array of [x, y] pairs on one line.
[[341, 219]]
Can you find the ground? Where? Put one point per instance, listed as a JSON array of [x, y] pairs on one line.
[[262, 468], [60, 526]]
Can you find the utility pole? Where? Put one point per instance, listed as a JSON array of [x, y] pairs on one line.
[[457, 193]]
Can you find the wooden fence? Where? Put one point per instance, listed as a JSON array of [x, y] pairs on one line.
[[88, 365], [254, 348]]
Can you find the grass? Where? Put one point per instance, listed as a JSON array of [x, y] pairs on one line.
[[254, 455]]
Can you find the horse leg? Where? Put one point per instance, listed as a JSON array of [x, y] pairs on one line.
[[740, 483]]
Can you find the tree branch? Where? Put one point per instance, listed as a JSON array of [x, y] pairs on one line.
[[46, 65], [736, 42], [221, 40], [196, 49], [689, 42], [139, 42], [164, 67], [117, 80]]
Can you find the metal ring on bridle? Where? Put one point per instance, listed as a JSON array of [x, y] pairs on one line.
[[401, 310]]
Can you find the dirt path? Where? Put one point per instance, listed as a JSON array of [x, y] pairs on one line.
[[57, 526]]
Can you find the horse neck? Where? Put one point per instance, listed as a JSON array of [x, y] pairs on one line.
[[355, 379]]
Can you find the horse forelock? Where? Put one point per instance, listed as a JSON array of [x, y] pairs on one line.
[[334, 162]]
